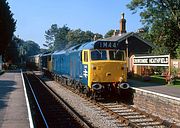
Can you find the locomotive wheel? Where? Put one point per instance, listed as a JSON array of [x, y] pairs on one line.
[[61, 80], [93, 95], [81, 88], [88, 92]]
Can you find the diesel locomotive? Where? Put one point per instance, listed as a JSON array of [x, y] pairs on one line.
[[96, 68]]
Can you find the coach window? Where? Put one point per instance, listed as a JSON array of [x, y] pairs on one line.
[[85, 56]]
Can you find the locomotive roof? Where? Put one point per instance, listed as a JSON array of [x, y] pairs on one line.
[[88, 45], [78, 47]]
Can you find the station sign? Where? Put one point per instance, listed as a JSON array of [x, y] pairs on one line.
[[162, 60], [106, 45]]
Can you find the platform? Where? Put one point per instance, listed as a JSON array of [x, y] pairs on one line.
[[13, 107], [169, 90]]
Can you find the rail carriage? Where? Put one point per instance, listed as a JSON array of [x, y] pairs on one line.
[[33, 62], [96, 68], [46, 63]]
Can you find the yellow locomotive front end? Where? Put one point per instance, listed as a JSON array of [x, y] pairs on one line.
[[107, 70]]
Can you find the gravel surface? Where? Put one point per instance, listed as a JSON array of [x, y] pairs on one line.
[[94, 115]]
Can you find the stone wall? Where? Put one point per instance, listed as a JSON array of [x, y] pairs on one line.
[[163, 106]]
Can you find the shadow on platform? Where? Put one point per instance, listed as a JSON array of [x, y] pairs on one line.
[[13, 71], [136, 83], [5, 88]]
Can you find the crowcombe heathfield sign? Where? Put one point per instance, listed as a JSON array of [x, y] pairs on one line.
[[162, 60]]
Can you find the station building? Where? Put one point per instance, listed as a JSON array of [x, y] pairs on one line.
[[133, 44]]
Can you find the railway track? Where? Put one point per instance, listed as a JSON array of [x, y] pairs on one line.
[[127, 115], [133, 117], [49, 109]]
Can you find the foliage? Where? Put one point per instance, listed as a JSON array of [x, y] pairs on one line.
[[58, 38], [78, 36], [98, 36], [162, 19], [42, 50], [109, 33], [178, 52], [18, 50], [30, 48], [61, 38], [174, 71], [11, 53], [50, 36], [7, 25]]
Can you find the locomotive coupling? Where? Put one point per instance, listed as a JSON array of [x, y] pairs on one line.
[[97, 86], [123, 85]]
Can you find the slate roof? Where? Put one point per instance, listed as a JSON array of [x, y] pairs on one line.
[[124, 36], [136, 44]]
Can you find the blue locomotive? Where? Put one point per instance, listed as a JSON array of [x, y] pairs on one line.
[[95, 68]]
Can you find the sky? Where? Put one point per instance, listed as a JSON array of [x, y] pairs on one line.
[[34, 17]]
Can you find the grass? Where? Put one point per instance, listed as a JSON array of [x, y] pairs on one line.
[[158, 79]]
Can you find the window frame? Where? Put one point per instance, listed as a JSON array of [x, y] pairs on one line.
[[85, 56]]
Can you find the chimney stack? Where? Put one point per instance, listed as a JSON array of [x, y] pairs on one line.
[[95, 37], [114, 33], [122, 24]]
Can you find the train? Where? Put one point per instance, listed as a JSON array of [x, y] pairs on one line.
[[96, 68]]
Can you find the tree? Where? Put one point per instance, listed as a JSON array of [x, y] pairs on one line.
[[56, 37], [178, 52], [98, 36], [162, 18], [7, 25], [30, 48], [19, 50], [50, 36], [78, 37], [11, 53], [109, 33], [61, 38]]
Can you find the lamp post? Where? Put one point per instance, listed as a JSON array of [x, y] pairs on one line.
[[127, 55]]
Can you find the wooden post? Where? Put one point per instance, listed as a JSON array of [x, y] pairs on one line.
[[169, 70], [169, 64], [127, 54]]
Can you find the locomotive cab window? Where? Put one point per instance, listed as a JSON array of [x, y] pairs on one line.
[[116, 55], [98, 55]]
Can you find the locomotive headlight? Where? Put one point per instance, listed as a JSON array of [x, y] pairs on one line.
[[120, 79], [123, 86], [93, 67], [97, 86]]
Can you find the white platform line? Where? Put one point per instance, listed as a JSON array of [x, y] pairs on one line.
[[27, 103], [158, 94]]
